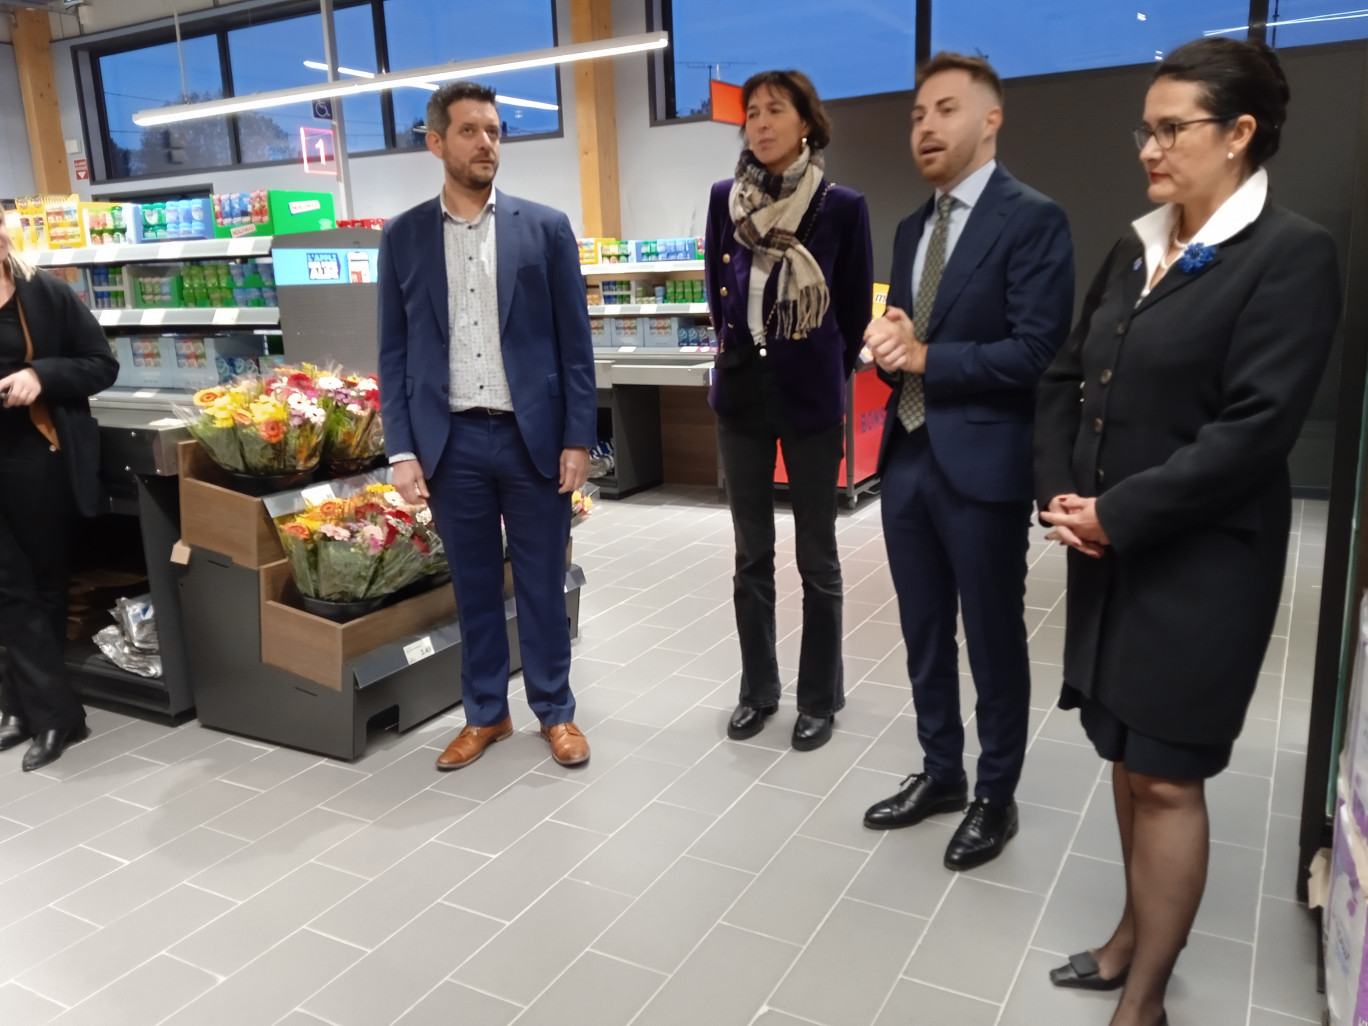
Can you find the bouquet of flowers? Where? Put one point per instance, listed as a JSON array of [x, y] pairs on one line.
[[262, 425], [367, 546], [352, 433]]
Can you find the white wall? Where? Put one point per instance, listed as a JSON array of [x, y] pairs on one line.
[[16, 164]]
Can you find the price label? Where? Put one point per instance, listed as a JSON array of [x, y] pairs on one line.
[[108, 317], [62, 257], [318, 494], [241, 247], [106, 254], [648, 309], [170, 250], [418, 650], [226, 315], [612, 310], [627, 349], [144, 393], [152, 318]]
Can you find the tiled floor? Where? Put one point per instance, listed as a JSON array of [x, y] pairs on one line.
[[186, 877]]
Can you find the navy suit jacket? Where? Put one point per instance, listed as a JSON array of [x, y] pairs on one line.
[[1001, 313], [548, 355]]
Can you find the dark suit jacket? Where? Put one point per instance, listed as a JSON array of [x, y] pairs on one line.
[[1001, 313], [72, 359], [810, 372], [543, 325], [1179, 414]]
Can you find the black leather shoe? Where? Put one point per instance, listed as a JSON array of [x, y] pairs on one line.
[[748, 720], [12, 732], [1081, 972], [920, 797], [48, 746], [811, 732], [986, 829]]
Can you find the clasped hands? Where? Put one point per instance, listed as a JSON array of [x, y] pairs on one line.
[[1075, 523], [893, 342]]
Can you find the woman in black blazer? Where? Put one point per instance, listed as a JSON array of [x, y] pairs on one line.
[[789, 278], [1162, 435], [53, 356]]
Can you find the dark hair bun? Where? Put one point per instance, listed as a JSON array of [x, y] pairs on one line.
[[1237, 77]]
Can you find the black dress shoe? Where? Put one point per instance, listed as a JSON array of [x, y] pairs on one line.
[[48, 746], [920, 797], [985, 831], [1082, 973], [811, 732], [12, 732], [748, 720]]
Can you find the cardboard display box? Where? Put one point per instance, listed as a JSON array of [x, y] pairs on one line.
[[220, 519]]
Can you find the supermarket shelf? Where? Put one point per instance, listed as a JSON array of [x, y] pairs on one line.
[[183, 249], [191, 317], [647, 309], [650, 267]]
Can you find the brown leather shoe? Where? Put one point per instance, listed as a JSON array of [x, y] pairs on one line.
[[471, 743], [568, 745]]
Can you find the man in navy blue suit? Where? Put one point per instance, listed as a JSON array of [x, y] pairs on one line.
[[487, 391], [980, 299]]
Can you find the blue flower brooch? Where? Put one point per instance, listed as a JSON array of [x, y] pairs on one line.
[[1195, 257]]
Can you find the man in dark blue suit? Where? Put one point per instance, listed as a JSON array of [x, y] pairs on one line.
[[979, 301], [487, 391]]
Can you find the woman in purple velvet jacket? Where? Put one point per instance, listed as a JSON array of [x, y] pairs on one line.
[[789, 283]]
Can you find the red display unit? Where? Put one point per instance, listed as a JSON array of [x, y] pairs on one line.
[[866, 397]]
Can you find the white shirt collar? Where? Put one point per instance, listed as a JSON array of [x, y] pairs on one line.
[[447, 211], [969, 190], [1232, 217]]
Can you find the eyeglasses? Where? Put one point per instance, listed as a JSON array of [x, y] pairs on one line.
[[1167, 132]]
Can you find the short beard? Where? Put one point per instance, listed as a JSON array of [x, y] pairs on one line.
[[462, 175]]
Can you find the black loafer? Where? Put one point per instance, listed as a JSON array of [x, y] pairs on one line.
[[748, 720], [1082, 973], [920, 797], [985, 831], [811, 732], [48, 746], [12, 732]]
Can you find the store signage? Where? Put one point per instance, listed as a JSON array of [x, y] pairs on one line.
[[82, 166], [318, 148], [725, 103], [323, 108], [325, 267]]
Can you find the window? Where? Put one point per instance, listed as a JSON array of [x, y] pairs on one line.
[[1301, 22], [860, 47], [1068, 35], [156, 77], [422, 34], [289, 52]]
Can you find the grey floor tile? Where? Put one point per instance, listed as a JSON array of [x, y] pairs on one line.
[[1034, 1000], [148, 832], [816, 773], [60, 835], [622, 648], [711, 969], [372, 796], [9, 828], [1047, 646], [906, 872], [872, 640], [539, 945], [506, 886], [285, 801], [79, 971], [719, 778], [1059, 775], [502, 764], [1295, 724], [1238, 808], [89, 755], [382, 986], [663, 704], [298, 1018], [871, 707], [118, 893], [20, 1005], [916, 1004], [147, 994], [840, 817], [795, 892], [185, 742], [632, 859], [1285, 967], [167, 784], [1253, 752], [897, 749], [1280, 874], [452, 1003], [499, 822], [674, 914], [610, 741], [1084, 908], [1098, 836], [379, 908], [1267, 701], [231, 941], [275, 767], [261, 863], [1231, 901], [272, 986], [618, 795], [1211, 982], [595, 991], [36, 938], [750, 833], [972, 746], [1033, 857], [1263, 1017], [1289, 773], [688, 738], [50, 881], [397, 834], [871, 944], [38, 800], [957, 953]]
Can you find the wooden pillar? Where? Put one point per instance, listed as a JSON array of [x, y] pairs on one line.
[[596, 122], [38, 87]]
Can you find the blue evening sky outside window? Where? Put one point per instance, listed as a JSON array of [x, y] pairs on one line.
[[847, 47], [1049, 36], [271, 56], [421, 34], [1303, 22], [151, 77]]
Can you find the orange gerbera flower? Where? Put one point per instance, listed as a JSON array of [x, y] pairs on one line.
[[208, 396], [242, 417], [271, 430], [332, 509], [298, 530]]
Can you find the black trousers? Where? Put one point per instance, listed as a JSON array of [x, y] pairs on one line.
[[813, 461], [36, 515]]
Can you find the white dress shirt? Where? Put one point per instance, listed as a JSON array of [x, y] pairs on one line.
[[472, 268], [966, 195], [761, 268]]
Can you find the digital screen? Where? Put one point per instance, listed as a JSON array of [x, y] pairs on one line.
[[325, 266]]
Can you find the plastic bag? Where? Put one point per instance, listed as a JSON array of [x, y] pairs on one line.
[[118, 651], [137, 619]]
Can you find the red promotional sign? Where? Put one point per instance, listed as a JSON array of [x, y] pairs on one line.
[[726, 103], [82, 169], [317, 147]]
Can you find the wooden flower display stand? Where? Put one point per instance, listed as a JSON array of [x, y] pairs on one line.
[[262, 667]]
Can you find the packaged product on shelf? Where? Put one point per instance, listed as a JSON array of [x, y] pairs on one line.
[[174, 219], [107, 224], [50, 222], [594, 294], [76, 278], [600, 333], [107, 288], [627, 331], [588, 251], [663, 332], [1345, 924], [145, 361], [275, 212]]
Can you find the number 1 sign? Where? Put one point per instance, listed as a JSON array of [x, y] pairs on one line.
[[317, 147]]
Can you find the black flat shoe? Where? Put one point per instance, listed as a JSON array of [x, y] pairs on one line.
[[48, 746], [811, 732], [986, 829], [748, 720], [12, 732], [1082, 973], [920, 797]]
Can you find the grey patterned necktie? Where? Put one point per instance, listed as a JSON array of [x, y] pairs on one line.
[[912, 402]]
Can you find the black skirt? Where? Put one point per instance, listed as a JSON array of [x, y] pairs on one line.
[[1141, 753]]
